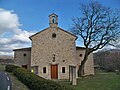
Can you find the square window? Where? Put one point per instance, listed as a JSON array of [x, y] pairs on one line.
[[63, 69], [44, 69]]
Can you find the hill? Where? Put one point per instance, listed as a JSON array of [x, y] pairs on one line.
[[6, 57]]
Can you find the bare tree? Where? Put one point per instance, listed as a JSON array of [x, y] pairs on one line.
[[98, 27]]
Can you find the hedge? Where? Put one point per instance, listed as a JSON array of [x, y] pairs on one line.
[[35, 82], [10, 68]]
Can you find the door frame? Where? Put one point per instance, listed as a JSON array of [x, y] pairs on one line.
[[52, 73]]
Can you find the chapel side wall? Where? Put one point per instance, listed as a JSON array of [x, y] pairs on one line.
[[89, 65], [44, 47], [20, 59]]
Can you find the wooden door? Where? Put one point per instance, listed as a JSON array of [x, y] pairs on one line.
[[54, 71]]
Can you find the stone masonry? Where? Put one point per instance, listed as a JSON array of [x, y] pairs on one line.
[[53, 51]]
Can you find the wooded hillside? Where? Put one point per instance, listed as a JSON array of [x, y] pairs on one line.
[[108, 60]]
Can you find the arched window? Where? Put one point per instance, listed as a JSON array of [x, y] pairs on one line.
[[53, 19]]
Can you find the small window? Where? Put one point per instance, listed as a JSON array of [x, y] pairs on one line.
[[53, 19], [80, 55], [63, 60], [24, 54], [53, 35], [24, 66], [15, 55], [63, 69], [53, 58], [44, 69]]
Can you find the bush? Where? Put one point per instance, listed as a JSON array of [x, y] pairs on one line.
[[33, 81], [10, 68]]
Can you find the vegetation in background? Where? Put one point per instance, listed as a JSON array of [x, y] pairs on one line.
[[108, 60]]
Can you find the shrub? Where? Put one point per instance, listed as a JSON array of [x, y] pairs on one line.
[[35, 82], [10, 68]]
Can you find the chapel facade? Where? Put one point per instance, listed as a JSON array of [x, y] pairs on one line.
[[52, 53]]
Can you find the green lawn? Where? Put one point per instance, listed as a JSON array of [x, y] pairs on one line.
[[2, 67], [100, 81]]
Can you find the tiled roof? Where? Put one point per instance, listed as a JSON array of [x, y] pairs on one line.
[[23, 49], [77, 48]]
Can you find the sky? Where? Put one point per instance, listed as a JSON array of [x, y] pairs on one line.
[[20, 19]]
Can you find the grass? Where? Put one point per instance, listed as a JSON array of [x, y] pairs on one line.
[[100, 81], [2, 67], [16, 84]]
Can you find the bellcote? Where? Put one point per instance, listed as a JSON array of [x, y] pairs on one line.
[[53, 20]]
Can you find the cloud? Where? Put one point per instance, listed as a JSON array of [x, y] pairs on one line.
[[9, 22], [11, 36]]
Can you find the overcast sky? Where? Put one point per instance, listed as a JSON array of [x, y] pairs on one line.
[[20, 19]]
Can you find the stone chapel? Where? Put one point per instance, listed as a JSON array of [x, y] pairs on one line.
[[52, 53]]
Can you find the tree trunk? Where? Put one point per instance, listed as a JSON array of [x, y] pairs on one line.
[[81, 70], [81, 67]]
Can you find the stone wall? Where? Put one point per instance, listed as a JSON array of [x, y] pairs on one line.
[[22, 57], [48, 50], [89, 66]]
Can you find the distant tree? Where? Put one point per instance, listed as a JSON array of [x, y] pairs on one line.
[[98, 26], [108, 60]]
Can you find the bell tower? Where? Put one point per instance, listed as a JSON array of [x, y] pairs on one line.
[[53, 20]]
